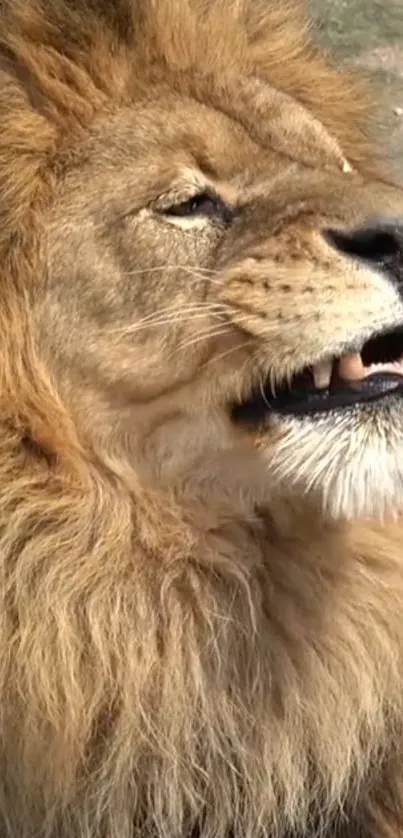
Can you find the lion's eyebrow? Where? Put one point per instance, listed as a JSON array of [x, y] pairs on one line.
[[205, 164]]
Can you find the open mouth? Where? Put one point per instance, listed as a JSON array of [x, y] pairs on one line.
[[353, 378]]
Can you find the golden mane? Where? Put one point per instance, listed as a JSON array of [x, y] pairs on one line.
[[106, 647], [80, 53]]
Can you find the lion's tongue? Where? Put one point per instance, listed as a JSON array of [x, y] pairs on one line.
[[351, 368]]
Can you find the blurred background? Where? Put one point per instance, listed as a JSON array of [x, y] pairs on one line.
[[369, 35]]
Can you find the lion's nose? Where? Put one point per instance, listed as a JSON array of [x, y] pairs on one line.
[[378, 244]]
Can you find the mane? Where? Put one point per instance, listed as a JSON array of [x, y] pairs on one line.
[[141, 669], [78, 54]]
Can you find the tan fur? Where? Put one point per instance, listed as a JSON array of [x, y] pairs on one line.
[[189, 648]]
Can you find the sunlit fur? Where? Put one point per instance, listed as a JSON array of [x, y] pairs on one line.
[[190, 646]]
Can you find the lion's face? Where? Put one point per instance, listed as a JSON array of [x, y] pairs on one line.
[[192, 268]]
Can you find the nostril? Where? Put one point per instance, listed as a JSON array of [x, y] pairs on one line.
[[373, 244]]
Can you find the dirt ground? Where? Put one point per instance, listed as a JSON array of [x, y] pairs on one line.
[[369, 35]]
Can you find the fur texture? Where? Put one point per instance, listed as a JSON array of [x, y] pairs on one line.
[[189, 646]]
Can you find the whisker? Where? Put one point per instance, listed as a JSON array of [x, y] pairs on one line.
[[201, 336], [229, 351], [170, 315], [262, 391], [193, 269]]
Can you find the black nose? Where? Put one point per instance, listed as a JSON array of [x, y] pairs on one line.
[[382, 245]]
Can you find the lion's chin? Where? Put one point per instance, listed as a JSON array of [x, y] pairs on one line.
[[335, 428], [351, 459]]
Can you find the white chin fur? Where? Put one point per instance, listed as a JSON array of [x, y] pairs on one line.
[[353, 460]]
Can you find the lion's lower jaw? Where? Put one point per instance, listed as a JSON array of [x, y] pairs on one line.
[[354, 469]]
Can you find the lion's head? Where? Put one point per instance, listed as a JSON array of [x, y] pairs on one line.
[[201, 280], [212, 238]]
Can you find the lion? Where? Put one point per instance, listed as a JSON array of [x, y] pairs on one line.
[[201, 429]]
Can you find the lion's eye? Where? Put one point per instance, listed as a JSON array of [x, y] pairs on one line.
[[204, 204]]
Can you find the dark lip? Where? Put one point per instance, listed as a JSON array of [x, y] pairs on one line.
[[302, 402]]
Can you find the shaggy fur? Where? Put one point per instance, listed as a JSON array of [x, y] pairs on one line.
[[187, 649]]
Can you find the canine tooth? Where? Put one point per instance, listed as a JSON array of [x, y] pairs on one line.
[[351, 367], [322, 373]]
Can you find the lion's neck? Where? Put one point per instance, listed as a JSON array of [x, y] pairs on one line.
[[189, 650]]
